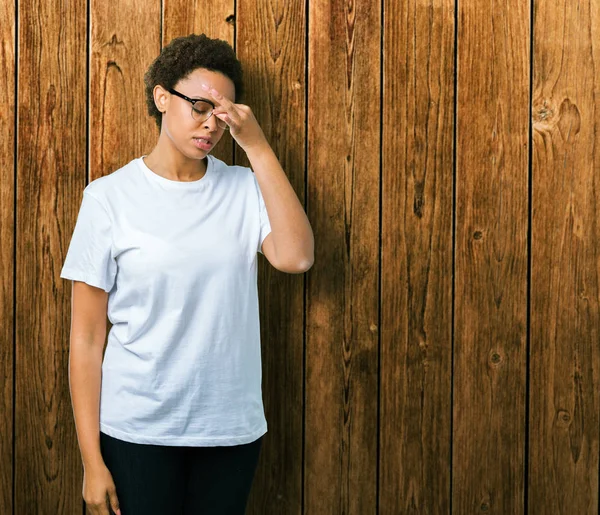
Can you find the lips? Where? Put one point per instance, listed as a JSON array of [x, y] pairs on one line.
[[203, 143]]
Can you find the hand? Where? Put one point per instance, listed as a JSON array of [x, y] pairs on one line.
[[97, 486], [242, 124]]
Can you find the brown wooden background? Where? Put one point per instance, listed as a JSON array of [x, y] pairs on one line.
[[442, 355]]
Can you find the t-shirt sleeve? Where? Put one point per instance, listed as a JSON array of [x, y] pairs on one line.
[[89, 257], [265, 224]]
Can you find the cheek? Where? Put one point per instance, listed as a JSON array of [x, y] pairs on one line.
[[178, 127]]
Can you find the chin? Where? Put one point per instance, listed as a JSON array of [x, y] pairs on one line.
[[195, 153]]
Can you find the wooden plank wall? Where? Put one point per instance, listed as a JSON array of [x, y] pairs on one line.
[[441, 356]]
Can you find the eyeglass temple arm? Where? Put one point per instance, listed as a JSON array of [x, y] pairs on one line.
[[192, 100]]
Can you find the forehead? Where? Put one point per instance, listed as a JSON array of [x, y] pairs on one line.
[[192, 84]]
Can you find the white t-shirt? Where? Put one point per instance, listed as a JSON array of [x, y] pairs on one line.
[[182, 365]]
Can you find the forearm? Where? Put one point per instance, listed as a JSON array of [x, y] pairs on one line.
[[85, 373], [292, 234]]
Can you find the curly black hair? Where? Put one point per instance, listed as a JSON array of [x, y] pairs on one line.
[[185, 54]]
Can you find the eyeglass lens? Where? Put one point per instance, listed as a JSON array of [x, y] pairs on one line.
[[202, 111]]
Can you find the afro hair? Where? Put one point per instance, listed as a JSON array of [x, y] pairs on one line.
[[185, 54]]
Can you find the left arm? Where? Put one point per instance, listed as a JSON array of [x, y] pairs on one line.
[[292, 237], [290, 245]]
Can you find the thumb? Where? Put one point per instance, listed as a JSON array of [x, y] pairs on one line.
[[114, 502]]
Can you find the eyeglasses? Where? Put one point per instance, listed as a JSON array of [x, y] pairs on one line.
[[202, 109]]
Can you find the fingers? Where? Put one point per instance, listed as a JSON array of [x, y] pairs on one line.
[[114, 502], [225, 118], [98, 508], [226, 107], [102, 507], [225, 102]]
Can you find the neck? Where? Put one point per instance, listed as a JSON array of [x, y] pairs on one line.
[[166, 160]]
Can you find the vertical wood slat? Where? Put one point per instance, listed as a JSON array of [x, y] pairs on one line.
[[51, 155], [343, 207], [120, 128], [416, 267], [270, 43], [565, 321], [491, 257], [215, 19], [7, 225]]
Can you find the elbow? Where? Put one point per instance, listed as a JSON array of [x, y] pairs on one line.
[[304, 266], [298, 267]]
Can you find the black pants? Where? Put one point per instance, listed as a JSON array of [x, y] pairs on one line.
[[159, 479]]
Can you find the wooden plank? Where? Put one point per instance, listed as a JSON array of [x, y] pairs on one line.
[[416, 272], [216, 19], [120, 128], [7, 226], [565, 270], [491, 257], [50, 172], [270, 43], [343, 305]]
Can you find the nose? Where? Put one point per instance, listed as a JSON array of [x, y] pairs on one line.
[[211, 122]]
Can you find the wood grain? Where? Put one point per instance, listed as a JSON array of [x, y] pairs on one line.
[[395, 371], [490, 346], [416, 267], [7, 227], [50, 177], [565, 320], [122, 47], [216, 19], [270, 43], [343, 295]]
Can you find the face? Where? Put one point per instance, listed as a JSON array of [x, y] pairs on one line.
[[177, 122]]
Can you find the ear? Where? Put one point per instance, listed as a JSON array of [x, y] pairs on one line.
[[161, 98]]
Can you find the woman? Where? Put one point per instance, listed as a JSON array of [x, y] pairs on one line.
[[171, 419]]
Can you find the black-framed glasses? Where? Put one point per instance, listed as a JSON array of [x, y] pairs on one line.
[[202, 108]]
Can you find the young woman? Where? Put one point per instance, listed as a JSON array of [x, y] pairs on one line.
[[171, 419]]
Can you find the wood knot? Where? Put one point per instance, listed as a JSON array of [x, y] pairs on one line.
[[543, 112], [563, 418], [114, 41], [419, 200], [50, 100], [495, 358], [569, 121]]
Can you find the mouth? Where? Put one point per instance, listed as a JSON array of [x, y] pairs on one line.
[[202, 143]]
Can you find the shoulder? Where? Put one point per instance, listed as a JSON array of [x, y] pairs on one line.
[[237, 174], [101, 188], [222, 167]]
